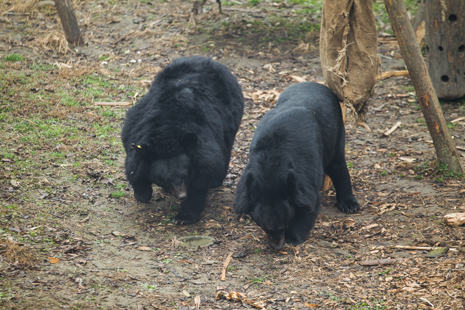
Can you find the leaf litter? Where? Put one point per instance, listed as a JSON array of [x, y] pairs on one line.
[[75, 218]]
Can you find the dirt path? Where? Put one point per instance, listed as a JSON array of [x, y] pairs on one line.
[[64, 193]]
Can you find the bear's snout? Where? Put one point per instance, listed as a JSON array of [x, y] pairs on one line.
[[180, 192], [277, 244]]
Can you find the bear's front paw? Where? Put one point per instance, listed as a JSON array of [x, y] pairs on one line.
[[349, 205], [186, 218], [143, 196], [142, 191]]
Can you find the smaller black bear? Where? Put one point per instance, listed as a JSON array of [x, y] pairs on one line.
[[180, 134], [293, 146]]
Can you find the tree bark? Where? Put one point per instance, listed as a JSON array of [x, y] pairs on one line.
[[445, 47], [69, 23], [429, 103]]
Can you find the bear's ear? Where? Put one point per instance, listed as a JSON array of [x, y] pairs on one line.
[[142, 149], [189, 141], [300, 199]]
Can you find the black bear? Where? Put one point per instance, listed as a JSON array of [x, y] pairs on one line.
[[293, 146], [180, 134]]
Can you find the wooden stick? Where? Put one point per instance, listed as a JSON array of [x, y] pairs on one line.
[[376, 262], [422, 248], [225, 266], [112, 103], [388, 74], [387, 133], [458, 119], [69, 23]]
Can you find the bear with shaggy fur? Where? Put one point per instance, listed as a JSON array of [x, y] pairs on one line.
[[179, 136], [294, 145]]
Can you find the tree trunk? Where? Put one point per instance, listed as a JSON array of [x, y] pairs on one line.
[[429, 103], [445, 47], [69, 23]]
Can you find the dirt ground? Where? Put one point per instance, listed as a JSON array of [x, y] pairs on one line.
[[73, 236]]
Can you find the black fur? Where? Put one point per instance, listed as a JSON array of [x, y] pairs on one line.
[[180, 134], [292, 147]]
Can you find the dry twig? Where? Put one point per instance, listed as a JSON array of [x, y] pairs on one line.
[[225, 266]]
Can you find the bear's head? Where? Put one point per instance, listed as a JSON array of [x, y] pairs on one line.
[[272, 204], [171, 173]]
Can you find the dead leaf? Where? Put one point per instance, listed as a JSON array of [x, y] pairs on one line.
[[144, 248], [310, 305], [297, 79], [53, 260]]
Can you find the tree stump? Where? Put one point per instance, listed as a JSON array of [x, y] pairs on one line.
[[445, 47]]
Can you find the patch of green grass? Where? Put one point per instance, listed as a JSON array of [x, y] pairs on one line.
[[391, 154], [102, 58], [373, 304], [350, 164], [42, 67], [256, 280], [384, 173], [13, 58], [408, 88], [117, 194], [443, 173], [451, 125], [150, 287], [382, 16]]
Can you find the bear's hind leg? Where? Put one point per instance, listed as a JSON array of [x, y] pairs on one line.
[[340, 176], [192, 207]]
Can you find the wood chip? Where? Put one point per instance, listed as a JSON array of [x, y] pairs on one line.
[[225, 266], [454, 219], [387, 133], [389, 74], [377, 262], [297, 79]]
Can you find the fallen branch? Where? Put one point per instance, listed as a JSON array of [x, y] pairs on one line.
[[377, 262], [387, 133], [458, 119], [112, 103], [454, 219], [389, 74], [421, 248], [225, 266]]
